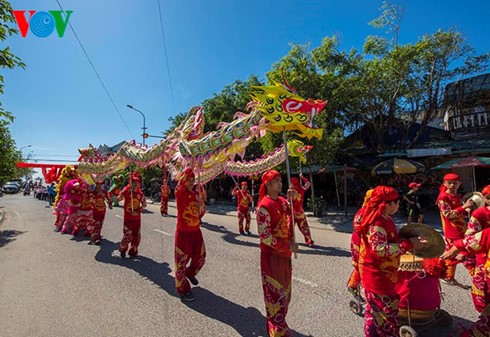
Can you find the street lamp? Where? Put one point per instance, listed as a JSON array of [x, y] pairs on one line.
[[20, 150], [144, 123], [23, 147]]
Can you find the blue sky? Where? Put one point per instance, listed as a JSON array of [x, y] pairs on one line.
[[59, 105]]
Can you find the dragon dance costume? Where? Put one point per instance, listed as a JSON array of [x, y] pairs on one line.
[[165, 193], [275, 232], [453, 224], [84, 218], [355, 244], [477, 241], [379, 260], [73, 198], [299, 212], [189, 242], [60, 205], [134, 203], [243, 209], [100, 199]]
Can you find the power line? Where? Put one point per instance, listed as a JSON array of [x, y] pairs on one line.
[[166, 57], [97, 74], [54, 155], [52, 160]]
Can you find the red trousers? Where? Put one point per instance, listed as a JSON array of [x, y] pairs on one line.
[[131, 235], [244, 215], [189, 247], [276, 273], [300, 220], [96, 228], [164, 206], [381, 315], [451, 263]]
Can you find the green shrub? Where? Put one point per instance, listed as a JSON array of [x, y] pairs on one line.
[[317, 206]]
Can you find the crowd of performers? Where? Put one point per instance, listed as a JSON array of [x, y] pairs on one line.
[[375, 245], [376, 252], [80, 209]]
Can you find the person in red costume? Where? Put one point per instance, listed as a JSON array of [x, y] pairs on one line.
[[84, 215], [189, 243], [73, 198], [165, 192], [476, 242], [479, 243], [101, 197], [301, 186], [134, 203], [276, 244], [355, 243], [379, 258], [243, 200], [453, 214]]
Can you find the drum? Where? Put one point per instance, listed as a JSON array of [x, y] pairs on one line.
[[418, 291]]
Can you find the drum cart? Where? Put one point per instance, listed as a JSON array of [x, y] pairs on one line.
[[413, 321]]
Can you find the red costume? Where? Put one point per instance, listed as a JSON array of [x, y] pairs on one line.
[[355, 244], [299, 212], [100, 199], [189, 243], [134, 203], [243, 200], [453, 224], [165, 192], [73, 199], [479, 243], [379, 259], [84, 216], [275, 232]]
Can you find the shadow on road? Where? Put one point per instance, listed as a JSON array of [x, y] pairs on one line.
[[230, 237], [158, 273], [437, 330], [246, 321], [234, 238], [321, 250], [8, 236]]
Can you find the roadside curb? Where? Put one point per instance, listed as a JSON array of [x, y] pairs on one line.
[[1, 216]]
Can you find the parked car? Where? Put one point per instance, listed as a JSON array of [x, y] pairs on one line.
[[11, 188]]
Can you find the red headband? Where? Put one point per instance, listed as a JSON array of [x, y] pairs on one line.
[[486, 190], [376, 205], [186, 175], [267, 177], [451, 176]]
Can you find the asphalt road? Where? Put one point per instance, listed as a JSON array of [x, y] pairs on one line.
[[57, 285]]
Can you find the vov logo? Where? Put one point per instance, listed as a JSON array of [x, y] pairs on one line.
[[42, 24]]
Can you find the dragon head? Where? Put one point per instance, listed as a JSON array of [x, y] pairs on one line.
[[285, 110]]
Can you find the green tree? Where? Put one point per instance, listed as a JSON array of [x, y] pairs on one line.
[[7, 59], [223, 106], [301, 71], [233, 98], [9, 156], [389, 85]]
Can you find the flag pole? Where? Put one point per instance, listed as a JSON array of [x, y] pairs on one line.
[[285, 140]]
